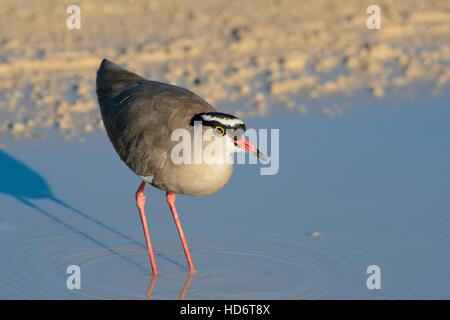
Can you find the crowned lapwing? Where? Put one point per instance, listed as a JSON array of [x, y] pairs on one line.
[[140, 117]]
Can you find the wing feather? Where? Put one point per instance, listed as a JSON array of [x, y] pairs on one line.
[[139, 116]]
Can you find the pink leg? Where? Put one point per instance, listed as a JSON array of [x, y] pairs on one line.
[[170, 197], [140, 202]]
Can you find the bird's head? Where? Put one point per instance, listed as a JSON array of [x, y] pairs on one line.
[[228, 127]]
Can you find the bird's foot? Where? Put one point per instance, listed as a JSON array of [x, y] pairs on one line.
[[192, 270]]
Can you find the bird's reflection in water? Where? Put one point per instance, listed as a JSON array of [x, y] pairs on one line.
[[186, 286], [151, 286], [184, 289]]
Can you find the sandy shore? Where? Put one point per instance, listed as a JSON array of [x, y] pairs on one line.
[[249, 57]]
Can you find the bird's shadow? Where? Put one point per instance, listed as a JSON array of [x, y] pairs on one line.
[[23, 183]]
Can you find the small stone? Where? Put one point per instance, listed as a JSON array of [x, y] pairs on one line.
[[377, 92], [326, 64], [88, 128], [65, 123], [18, 129], [295, 63], [237, 33], [259, 98], [245, 89]]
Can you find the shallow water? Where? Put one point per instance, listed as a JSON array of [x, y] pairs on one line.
[[374, 183]]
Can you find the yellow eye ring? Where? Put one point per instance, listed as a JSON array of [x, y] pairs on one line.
[[220, 131]]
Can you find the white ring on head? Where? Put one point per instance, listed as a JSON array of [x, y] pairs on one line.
[[226, 121]]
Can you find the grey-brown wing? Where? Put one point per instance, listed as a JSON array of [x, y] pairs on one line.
[[140, 115], [143, 126]]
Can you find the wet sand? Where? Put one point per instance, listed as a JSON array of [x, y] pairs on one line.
[[250, 58]]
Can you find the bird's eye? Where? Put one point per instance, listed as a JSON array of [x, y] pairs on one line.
[[219, 131]]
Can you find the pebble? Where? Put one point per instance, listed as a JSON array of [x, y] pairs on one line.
[[377, 92], [18, 129]]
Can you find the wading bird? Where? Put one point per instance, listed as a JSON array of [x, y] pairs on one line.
[[140, 116]]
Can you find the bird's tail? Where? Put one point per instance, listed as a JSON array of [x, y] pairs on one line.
[[112, 80]]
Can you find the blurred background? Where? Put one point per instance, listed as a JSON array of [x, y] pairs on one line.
[[252, 58], [364, 150]]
